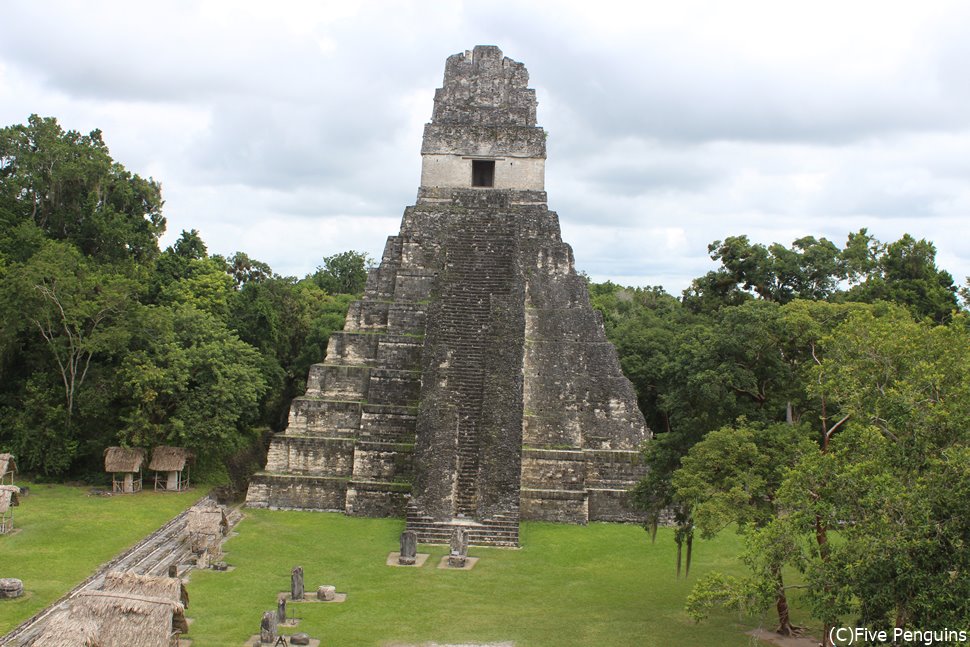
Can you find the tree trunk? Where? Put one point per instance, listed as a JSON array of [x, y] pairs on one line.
[[690, 548], [680, 546], [785, 627]]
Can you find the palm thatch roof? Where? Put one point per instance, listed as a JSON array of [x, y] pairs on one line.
[[207, 519], [131, 611], [170, 459], [170, 588], [9, 496], [123, 459], [7, 464]]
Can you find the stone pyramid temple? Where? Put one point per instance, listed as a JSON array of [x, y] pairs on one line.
[[473, 384]]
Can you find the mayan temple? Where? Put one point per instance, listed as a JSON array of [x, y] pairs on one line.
[[473, 384]]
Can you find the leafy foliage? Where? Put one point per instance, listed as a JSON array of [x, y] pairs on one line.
[[67, 185], [105, 339], [343, 273]]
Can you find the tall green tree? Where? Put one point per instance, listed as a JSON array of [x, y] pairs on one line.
[[906, 273], [190, 382], [732, 477], [343, 273], [67, 185]]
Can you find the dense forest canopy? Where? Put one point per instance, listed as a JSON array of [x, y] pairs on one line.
[[797, 393], [107, 339], [803, 393]]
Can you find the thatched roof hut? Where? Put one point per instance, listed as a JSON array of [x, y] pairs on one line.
[[9, 497], [170, 588], [170, 459], [126, 461], [130, 611], [171, 468], [7, 466], [123, 459]]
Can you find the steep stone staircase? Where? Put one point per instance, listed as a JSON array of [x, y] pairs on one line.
[[500, 530], [478, 269]]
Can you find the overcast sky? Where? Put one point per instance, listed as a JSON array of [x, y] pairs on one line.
[[292, 130]]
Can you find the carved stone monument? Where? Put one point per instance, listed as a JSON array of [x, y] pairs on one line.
[[327, 593], [281, 611], [473, 384], [409, 548], [267, 628], [296, 583], [459, 548]]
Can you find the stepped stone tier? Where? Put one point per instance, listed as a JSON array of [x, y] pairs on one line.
[[473, 384]]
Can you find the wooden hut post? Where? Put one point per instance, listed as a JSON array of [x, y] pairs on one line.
[[9, 497]]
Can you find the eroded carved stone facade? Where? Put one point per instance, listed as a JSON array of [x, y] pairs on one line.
[[473, 384]]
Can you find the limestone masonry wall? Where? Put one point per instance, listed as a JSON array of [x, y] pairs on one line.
[[473, 384]]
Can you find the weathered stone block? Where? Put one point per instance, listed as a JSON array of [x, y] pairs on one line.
[[11, 587], [267, 628], [409, 548], [296, 583], [564, 506], [394, 387]]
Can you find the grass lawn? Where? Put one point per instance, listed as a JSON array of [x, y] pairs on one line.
[[600, 585], [64, 535]]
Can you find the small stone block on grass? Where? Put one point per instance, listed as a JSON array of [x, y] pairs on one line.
[[326, 593], [309, 599], [253, 641], [393, 559], [446, 563], [11, 587]]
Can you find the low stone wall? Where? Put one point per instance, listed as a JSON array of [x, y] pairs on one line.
[[564, 506], [284, 492]]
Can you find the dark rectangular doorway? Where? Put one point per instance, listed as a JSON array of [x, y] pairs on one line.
[[483, 173]]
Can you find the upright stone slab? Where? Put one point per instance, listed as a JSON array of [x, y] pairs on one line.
[[473, 375], [296, 583], [459, 548], [409, 548], [268, 628]]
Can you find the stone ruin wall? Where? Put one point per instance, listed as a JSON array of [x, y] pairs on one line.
[[473, 380]]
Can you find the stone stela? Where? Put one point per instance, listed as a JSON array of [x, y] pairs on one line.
[[296, 583], [409, 548], [459, 548], [473, 384]]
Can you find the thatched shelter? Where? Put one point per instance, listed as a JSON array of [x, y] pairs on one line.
[[9, 497], [8, 467], [207, 525], [124, 464], [129, 611], [171, 467]]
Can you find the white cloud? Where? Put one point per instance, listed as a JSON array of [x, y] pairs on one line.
[[292, 131]]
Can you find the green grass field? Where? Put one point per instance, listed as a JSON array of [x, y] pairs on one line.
[[600, 585], [64, 535]]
